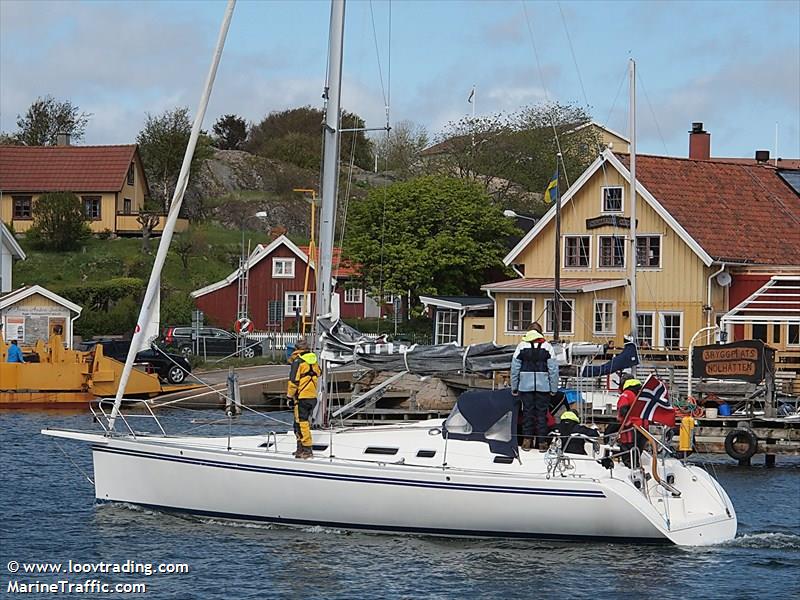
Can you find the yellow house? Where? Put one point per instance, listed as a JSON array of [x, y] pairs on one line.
[[109, 180], [701, 224]]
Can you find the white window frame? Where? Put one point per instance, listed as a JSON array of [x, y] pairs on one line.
[[289, 301], [524, 325], [613, 330], [600, 265], [662, 325], [353, 295], [652, 339], [564, 253], [603, 209], [440, 336], [660, 251], [281, 272], [789, 336], [548, 304]]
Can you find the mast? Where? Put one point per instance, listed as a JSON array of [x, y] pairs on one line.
[[330, 185], [153, 284], [632, 254]]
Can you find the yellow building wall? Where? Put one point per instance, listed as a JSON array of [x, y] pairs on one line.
[[136, 192], [107, 212], [679, 285], [477, 330]]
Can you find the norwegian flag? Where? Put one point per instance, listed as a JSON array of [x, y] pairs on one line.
[[653, 404]]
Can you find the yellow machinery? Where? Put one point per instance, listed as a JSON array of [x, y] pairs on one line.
[[69, 377]]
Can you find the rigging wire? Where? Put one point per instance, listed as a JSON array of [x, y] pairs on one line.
[[544, 88], [652, 112]]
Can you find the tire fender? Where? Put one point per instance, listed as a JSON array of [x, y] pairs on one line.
[[738, 436]]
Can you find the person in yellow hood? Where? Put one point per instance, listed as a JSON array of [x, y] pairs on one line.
[[302, 394]]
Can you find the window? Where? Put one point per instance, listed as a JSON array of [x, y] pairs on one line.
[[446, 326], [612, 199], [794, 334], [567, 308], [381, 450], [283, 267], [645, 331], [759, 332], [22, 207], [426, 453], [353, 295], [130, 174], [294, 304], [275, 312], [776, 333], [519, 313], [576, 251], [612, 252], [91, 207], [648, 251], [126, 206], [671, 330], [604, 317]]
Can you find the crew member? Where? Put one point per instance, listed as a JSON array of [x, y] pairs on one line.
[[570, 424], [534, 377], [630, 437], [15, 353], [302, 393]]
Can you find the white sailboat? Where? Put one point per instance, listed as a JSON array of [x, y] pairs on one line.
[[462, 476]]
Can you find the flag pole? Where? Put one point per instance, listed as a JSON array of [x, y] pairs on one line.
[[557, 286]]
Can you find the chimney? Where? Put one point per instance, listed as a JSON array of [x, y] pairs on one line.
[[762, 156], [699, 143], [62, 139]]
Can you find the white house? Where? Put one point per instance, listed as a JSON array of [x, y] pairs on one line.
[[9, 250]]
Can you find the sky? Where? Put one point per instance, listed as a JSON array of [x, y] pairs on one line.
[[735, 66]]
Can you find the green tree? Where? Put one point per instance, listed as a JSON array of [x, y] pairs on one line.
[[295, 136], [162, 144], [429, 235], [399, 150], [514, 156], [230, 132], [46, 118], [59, 222]]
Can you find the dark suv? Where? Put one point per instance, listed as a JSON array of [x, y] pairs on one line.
[[212, 342], [171, 368]]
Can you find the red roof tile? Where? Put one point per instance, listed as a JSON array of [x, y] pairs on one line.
[[341, 266], [736, 212], [64, 168]]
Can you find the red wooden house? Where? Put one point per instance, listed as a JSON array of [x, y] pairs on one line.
[[277, 274]]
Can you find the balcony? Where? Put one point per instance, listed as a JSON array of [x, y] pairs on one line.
[[126, 224]]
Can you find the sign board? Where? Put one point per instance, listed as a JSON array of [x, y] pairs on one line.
[[741, 361], [609, 221]]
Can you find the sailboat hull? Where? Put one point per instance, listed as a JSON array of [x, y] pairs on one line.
[[381, 497]]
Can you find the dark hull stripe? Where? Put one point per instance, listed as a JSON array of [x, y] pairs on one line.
[[355, 478], [470, 533]]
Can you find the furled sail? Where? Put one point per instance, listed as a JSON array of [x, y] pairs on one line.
[[341, 345]]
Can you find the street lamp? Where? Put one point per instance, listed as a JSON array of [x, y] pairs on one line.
[[514, 215]]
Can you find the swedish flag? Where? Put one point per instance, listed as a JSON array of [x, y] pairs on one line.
[[551, 193]]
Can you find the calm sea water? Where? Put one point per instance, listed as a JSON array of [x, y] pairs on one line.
[[48, 514]]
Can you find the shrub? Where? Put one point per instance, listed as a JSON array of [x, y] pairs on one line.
[[58, 222]]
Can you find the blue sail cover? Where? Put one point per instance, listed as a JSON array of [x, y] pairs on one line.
[[624, 360], [486, 416]]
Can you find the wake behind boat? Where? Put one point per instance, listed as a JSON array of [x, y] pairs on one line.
[[463, 476]]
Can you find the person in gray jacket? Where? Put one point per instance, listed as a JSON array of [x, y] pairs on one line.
[[534, 376]]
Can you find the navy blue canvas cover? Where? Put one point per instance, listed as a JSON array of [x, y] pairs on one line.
[[482, 409], [622, 361]]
